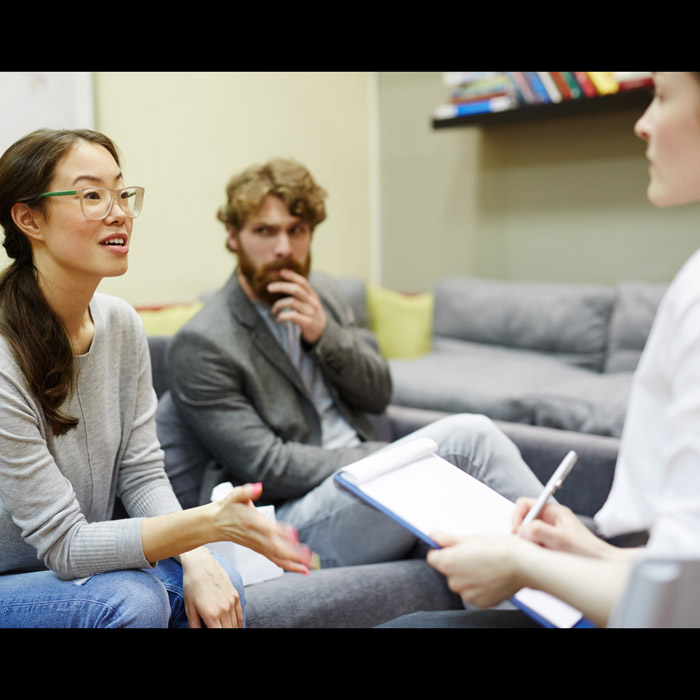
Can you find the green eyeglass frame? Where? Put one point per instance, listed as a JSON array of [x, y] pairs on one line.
[[96, 205]]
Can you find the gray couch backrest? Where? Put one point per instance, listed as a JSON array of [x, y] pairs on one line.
[[635, 309], [568, 320]]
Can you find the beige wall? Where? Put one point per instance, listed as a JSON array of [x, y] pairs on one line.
[[184, 134], [558, 200]]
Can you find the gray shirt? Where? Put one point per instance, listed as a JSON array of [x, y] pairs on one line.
[[335, 430], [57, 493]]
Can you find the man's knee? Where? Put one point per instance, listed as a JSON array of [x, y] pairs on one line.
[[474, 422], [471, 426]]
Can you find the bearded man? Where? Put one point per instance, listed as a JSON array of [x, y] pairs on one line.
[[273, 382]]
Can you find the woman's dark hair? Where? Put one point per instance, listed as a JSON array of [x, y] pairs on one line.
[[35, 333]]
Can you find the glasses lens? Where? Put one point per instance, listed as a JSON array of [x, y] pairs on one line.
[[96, 202], [131, 200]]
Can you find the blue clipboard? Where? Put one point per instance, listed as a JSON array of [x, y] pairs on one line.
[[354, 490]]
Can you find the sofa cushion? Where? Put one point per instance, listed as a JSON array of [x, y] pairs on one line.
[[459, 376], [167, 320], [632, 318], [401, 322], [568, 321], [596, 404]]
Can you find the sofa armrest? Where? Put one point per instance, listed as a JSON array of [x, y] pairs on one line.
[[406, 419]]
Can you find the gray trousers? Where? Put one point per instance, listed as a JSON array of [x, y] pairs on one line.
[[345, 532]]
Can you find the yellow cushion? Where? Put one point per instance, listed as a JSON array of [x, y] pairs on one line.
[[169, 319], [402, 322]]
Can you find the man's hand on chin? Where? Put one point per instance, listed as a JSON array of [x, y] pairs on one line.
[[301, 305]]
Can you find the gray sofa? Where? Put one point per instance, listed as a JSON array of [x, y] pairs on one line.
[[555, 355], [365, 596]]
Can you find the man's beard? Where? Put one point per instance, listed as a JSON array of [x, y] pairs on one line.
[[259, 277]]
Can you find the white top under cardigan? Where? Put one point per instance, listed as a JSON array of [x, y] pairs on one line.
[[657, 477], [57, 493]]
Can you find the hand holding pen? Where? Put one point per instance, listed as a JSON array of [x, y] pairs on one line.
[[555, 526], [554, 484]]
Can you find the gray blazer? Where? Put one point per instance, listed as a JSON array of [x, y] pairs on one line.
[[237, 391]]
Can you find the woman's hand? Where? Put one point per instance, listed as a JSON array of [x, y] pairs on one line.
[[210, 597], [482, 569], [238, 521], [558, 528]]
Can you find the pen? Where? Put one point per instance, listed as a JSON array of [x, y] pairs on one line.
[[554, 483]]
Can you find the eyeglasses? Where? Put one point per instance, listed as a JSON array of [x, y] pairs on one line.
[[97, 202]]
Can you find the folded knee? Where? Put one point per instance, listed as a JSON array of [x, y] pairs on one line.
[[131, 598], [468, 423]]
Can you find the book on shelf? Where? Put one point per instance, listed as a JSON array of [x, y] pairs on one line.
[[481, 89], [568, 87], [550, 86], [522, 88], [605, 83], [484, 106], [483, 93], [425, 493], [585, 83], [537, 86], [576, 91], [466, 99], [633, 81]]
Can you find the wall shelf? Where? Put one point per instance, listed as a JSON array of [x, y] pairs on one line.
[[526, 113]]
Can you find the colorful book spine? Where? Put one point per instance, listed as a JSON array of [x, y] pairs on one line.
[[537, 86], [586, 85], [562, 86], [522, 88], [550, 86], [605, 83], [574, 87]]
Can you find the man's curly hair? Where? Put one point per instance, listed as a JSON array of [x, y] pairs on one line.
[[286, 179]]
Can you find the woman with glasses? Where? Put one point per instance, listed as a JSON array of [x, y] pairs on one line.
[[77, 419]]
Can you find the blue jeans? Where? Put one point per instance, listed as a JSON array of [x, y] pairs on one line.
[[128, 598], [345, 532]]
